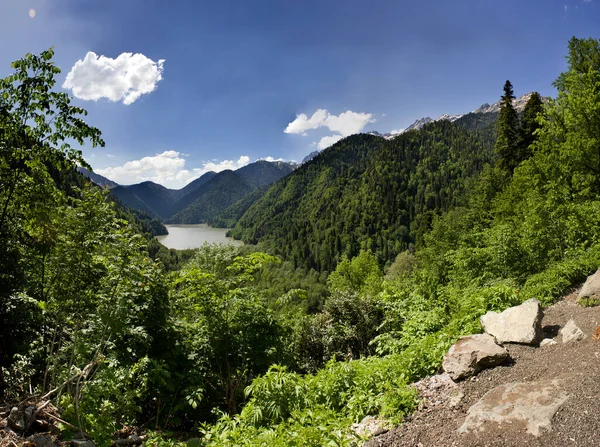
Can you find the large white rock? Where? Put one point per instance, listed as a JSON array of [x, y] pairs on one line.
[[516, 406], [471, 354], [519, 324], [571, 332], [591, 287]]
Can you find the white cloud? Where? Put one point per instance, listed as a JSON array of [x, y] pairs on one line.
[[346, 123], [125, 78], [325, 142], [32, 13], [161, 168]]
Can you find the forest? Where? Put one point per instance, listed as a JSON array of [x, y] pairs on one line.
[[362, 268]]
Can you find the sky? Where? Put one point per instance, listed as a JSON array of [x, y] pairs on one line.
[[179, 88]]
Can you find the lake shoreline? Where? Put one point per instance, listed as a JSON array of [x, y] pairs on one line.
[[186, 236]]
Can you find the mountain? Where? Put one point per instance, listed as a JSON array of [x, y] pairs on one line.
[[518, 103], [309, 157], [263, 172], [229, 217], [150, 197], [366, 192], [202, 194], [97, 178]]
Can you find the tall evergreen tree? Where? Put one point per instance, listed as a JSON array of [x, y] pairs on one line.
[[529, 125], [507, 145]]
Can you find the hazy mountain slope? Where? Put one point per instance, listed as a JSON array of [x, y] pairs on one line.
[[195, 184], [229, 217], [214, 197], [263, 172], [365, 192], [97, 178], [148, 196]]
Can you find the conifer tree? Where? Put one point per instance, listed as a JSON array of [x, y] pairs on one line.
[[529, 125], [507, 145]]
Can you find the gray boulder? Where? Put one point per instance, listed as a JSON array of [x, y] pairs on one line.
[[571, 332], [519, 324], [515, 406], [471, 354], [591, 287]]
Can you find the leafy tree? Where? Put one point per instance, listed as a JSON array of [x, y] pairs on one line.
[[507, 144], [36, 126], [230, 335]]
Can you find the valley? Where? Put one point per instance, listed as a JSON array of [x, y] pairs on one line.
[[353, 276]]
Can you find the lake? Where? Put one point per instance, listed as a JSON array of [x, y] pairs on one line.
[[194, 236]]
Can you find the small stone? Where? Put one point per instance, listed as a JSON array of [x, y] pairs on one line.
[[571, 332], [41, 440], [519, 324], [548, 342], [82, 443], [456, 399]]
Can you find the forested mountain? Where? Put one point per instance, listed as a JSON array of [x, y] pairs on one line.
[[223, 190], [206, 196], [366, 193], [230, 216]]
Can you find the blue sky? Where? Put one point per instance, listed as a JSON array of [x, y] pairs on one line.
[[220, 81]]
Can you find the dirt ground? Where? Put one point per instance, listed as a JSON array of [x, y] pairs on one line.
[[576, 365]]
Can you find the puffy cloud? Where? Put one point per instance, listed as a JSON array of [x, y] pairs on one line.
[[125, 78], [161, 168], [346, 123], [325, 142]]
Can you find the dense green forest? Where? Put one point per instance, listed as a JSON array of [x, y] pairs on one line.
[[366, 193], [276, 344]]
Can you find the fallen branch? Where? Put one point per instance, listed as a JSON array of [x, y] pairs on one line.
[[83, 374], [56, 418]]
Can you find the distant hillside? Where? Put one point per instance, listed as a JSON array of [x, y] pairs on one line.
[[97, 178], [229, 217], [366, 192], [226, 188], [206, 197]]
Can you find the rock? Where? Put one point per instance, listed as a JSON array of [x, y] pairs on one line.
[[547, 342], [571, 332], [516, 406], [370, 426], [471, 354], [591, 287], [16, 419], [519, 324], [41, 440]]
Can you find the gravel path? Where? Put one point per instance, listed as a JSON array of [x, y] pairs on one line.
[[576, 365]]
